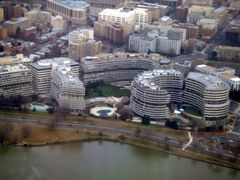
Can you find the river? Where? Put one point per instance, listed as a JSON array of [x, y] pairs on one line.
[[103, 160]]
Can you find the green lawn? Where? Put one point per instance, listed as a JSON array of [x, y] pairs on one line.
[[192, 111], [106, 90]]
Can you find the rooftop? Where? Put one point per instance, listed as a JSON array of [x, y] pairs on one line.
[[148, 78], [67, 77], [13, 68], [209, 81], [71, 4], [47, 63]]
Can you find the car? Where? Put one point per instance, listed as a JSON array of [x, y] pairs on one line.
[[23, 118]]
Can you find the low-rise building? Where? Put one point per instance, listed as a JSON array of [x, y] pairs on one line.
[[232, 32], [15, 80], [207, 28], [58, 23], [228, 53], [13, 60], [68, 90]]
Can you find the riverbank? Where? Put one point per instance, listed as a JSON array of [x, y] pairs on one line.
[[41, 136]]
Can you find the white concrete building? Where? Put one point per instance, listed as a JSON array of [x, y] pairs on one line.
[[15, 80], [137, 16], [67, 89], [225, 73], [42, 70], [152, 91], [210, 95]]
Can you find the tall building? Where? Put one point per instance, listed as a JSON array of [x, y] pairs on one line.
[[68, 90], [138, 17], [15, 80], [195, 13], [164, 40], [14, 60], [73, 11], [13, 25], [152, 91], [191, 30], [81, 43], [225, 73], [181, 13], [42, 70], [210, 95]]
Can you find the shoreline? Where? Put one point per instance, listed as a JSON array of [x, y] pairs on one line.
[[140, 143]]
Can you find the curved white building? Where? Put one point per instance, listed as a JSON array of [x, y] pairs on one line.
[[209, 94], [116, 68], [152, 91]]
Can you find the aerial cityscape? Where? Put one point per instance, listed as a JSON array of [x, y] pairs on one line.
[[119, 89]]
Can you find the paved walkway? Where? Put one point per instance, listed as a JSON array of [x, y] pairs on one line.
[[189, 142]]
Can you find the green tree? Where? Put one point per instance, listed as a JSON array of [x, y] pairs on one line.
[[146, 120]]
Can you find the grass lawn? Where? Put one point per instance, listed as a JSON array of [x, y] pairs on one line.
[[192, 111], [107, 90]]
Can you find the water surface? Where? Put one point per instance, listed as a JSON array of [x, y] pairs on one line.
[[103, 161]]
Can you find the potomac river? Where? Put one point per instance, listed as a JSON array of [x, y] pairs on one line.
[[103, 160]]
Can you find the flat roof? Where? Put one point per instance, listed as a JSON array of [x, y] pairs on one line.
[[71, 4], [47, 63], [209, 81], [148, 78]]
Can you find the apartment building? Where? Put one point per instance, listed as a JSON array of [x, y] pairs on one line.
[[210, 95], [20, 23], [152, 91], [81, 44], [117, 67], [195, 13], [15, 80], [67, 89], [42, 70]]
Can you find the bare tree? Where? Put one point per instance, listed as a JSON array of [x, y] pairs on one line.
[[138, 131], [26, 131], [6, 133]]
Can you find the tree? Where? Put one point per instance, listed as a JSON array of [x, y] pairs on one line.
[[146, 120], [6, 133], [34, 109], [126, 113], [26, 131], [138, 131], [172, 124]]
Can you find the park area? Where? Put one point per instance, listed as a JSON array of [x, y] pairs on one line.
[[192, 111], [106, 91]]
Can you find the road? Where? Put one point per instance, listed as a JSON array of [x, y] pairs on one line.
[[155, 137]]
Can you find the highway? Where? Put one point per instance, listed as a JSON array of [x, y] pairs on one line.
[[155, 137]]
